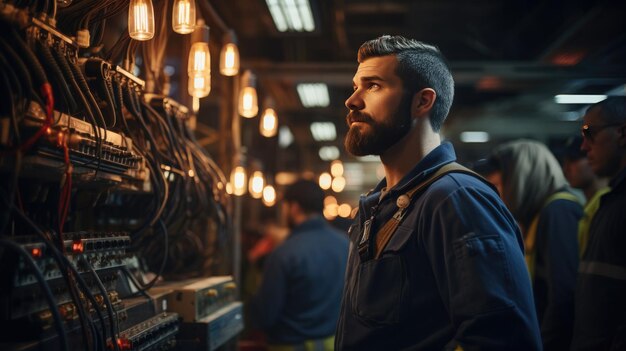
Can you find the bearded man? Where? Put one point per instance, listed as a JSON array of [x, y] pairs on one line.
[[436, 259]]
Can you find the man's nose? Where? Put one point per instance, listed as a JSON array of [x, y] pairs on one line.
[[354, 102]]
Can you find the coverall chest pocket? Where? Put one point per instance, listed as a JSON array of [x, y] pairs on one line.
[[382, 287]]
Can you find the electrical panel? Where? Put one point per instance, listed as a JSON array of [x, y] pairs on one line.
[[114, 220]]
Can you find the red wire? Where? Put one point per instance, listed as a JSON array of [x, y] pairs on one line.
[[64, 200], [46, 91]]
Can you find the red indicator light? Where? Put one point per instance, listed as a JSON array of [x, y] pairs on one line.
[[77, 246], [124, 344], [36, 252]]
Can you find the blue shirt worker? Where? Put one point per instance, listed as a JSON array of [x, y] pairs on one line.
[[600, 315], [436, 260], [297, 304]]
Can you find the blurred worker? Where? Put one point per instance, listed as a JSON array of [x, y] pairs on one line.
[[601, 289], [297, 304], [436, 267], [536, 191], [579, 174]]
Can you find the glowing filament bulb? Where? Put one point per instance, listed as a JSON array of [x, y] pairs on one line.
[[141, 20], [268, 126], [256, 185], [248, 106], [238, 180], [199, 70], [229, 60], [184, 16], [199, 58], [269, 196], [199, 85]]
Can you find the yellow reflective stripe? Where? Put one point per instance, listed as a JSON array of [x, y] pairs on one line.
[[531, 234], [585, 222]]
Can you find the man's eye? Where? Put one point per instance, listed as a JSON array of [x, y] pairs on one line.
[[374, 86]]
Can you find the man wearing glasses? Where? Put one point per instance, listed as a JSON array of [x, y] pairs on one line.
[[601, 291]]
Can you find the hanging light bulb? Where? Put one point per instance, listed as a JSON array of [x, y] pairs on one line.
[[229, 57], [199, 85], [195, 105], [238, 180], [248, 101], [184, 16], [268, 126], [141, 19], [269, 196], [199, 65], [256, 185]]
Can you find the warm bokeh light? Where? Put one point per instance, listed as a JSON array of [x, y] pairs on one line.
[[229, 60], [330, 211], [256, 185], [325, 180], [269, 196], [268, 125], [238, 180], [199, 86], [248, 102], [328, 200], [339, 183], [344, 210], [336, 168]]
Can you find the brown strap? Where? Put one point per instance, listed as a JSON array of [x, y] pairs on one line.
[[386, 231]]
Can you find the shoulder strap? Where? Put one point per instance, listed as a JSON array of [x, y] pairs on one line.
[[386, 231], [531, 235]]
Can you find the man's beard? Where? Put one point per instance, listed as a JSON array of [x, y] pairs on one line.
[[382, 135]]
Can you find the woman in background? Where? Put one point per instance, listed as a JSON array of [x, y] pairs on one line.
[[532, 185]]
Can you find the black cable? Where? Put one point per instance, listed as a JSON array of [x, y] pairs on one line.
[[164, 262], [38, 73], [163, 122], [67, 72], [58, 80], [8, 87], [93, 67], [62, 262], [58, 322], [134, 281], [82, 82], [112, 315]]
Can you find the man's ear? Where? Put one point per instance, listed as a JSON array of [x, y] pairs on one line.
[[423, 102]]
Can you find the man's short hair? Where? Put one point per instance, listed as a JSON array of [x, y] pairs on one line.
[[420, 66], [307, 194], [612, 109]]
